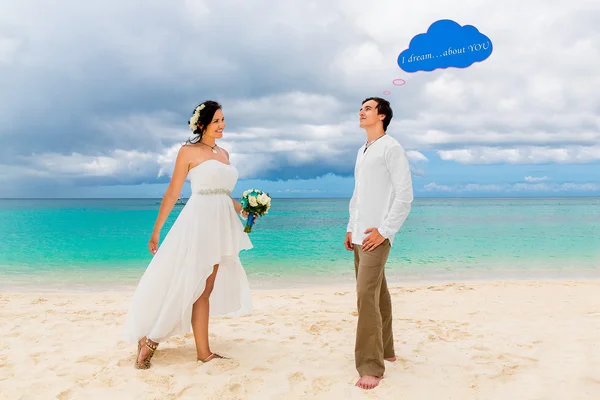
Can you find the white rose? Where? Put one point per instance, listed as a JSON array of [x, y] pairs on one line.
[[194, 122], [252, 201], [262, 199]]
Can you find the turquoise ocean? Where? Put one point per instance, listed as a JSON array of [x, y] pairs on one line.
[[78, 244]]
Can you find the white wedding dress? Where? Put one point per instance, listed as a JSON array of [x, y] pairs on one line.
[[207, 232]]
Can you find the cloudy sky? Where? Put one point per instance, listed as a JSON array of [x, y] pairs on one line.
[[96, 95]]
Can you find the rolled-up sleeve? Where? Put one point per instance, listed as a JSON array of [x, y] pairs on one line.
[[397, 164]]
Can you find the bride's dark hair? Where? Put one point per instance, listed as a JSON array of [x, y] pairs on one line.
[[205, 116]]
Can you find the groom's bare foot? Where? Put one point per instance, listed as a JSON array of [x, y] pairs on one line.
[[368, 382], [391, 359]]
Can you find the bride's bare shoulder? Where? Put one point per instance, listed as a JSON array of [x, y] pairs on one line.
[[193, 154], [226, 152]]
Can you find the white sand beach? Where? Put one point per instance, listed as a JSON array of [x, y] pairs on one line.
[[485, 340]]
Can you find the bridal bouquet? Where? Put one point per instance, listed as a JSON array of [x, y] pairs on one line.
[[254, 201]]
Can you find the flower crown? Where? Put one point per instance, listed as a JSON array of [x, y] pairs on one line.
[[195, 117]]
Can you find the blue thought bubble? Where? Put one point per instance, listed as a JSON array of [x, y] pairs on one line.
[[445, 44]]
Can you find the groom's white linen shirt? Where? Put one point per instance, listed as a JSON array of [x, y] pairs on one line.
[[383, 191]]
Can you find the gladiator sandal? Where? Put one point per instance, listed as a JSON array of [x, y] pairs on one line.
[[145, 363]]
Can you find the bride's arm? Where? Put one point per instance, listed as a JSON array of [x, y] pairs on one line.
[[236, 205], [173, 191]]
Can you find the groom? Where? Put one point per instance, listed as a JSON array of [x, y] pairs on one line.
[[379, 206]]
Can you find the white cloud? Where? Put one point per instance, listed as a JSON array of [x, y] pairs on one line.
[[523, 155], [120, 166], [416, 156], [295, 107], [299, 191], [471, 187], [8, 49], [532, 179], [510, 188]]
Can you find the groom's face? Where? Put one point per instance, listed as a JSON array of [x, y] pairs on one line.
[[368, 114]]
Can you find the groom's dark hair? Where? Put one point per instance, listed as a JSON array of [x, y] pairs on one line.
[[383, 107]]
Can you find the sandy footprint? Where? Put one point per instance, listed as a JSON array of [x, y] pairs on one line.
[[66, 395], [108, 380], [92, 360], [297, 379], [234, 390], [183, 393], [453, 335], [159, 381], [505, 366], [276, 359], [481, 359], [35, 358], [219, 366], [322, 384], [265, 322], [526, 346], [403, 362], [113, 314], [436, 288], [314, 329], [127, 362]]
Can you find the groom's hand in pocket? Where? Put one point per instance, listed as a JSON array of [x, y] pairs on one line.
[[373, 239], [348, 241]]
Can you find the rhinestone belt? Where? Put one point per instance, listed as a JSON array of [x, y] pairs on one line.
[[208, 192]]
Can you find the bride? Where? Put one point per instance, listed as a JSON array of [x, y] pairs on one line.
[[198, 259]]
